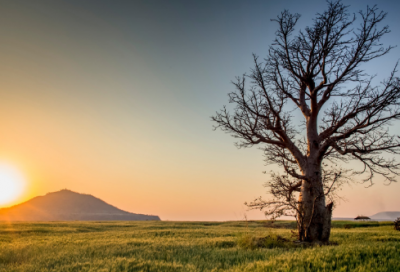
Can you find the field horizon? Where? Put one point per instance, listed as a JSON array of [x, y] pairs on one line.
[[68, 205]]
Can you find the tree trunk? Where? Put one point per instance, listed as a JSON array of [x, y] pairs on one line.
[[314, 218]]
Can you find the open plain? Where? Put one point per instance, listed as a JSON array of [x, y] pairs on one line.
[[194, 246]]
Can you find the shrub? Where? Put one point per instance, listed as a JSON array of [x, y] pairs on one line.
[[397, 224], [249, 241]]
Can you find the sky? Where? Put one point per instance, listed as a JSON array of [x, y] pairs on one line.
[[115, 98]]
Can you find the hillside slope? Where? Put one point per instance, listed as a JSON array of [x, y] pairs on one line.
[[66, 205], [385, 215]]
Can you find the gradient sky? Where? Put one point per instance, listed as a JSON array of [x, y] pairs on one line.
[[114, 99]]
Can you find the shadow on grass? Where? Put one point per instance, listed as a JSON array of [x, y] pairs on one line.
[[251, 242]]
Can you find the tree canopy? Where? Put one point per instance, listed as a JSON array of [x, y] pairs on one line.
[[317, 73]]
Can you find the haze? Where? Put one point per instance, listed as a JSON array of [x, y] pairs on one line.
[[114, 99]]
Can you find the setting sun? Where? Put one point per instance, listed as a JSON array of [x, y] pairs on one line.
[[11, 183]]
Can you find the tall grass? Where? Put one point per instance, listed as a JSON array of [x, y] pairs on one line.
[[191, 246]]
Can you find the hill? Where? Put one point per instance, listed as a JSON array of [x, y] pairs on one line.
[[66, 205], [385, 216]]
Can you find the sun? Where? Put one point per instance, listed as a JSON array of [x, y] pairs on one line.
[[11, 183]]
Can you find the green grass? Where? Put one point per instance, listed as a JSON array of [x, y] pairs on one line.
[[193, 246]]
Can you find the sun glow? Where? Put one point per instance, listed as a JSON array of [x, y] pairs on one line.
[[12, 183]]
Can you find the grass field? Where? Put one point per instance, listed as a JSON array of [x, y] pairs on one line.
[[192, 246]]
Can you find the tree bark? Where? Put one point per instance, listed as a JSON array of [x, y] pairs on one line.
[[315, 225], [314, 218]]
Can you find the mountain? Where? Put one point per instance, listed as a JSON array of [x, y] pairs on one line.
[[66, 205], [385, 216]]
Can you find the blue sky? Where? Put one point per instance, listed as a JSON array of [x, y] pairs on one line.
[[114, 98]]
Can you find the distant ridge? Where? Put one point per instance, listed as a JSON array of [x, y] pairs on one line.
[[66, 205], [385, 215]]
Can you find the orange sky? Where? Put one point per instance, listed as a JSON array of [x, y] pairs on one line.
[[115, 101]]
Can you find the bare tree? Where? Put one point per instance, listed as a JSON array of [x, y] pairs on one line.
[[317, 72]]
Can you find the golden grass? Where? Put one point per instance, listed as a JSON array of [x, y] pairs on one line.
[[190, 246]]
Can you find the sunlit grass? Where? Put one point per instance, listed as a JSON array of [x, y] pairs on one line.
[[191, 246]]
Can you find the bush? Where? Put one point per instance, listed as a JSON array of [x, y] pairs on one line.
[[397, 224], [249, 241]]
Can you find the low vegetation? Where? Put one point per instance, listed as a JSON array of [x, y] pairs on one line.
[[397, 224], [194, 246]]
